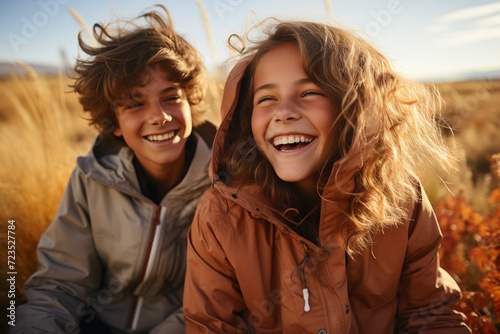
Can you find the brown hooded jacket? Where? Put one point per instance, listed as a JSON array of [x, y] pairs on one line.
[[247, 270]]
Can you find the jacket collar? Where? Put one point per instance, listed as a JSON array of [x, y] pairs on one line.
[[110, 162]]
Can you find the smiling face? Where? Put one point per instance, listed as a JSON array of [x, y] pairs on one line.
[[155, 122], [291, 117]]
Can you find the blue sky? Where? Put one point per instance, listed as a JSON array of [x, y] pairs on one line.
[[424, 39]]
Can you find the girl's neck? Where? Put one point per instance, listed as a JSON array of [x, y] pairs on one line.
[[309, 192], [308, 226]]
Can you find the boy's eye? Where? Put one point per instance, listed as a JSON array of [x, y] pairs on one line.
[[172, 99], [133, 105]]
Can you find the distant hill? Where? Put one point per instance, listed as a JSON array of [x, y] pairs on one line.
[[459, 77], [8, 69], [470, 76]]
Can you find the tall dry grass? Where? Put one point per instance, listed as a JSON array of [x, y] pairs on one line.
[[473, 112], [42, 132], [473, 108]]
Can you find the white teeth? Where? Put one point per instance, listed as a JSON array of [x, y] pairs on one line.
[[291, 140], [163, 137]]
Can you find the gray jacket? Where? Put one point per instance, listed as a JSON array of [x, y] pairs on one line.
[[111, 253]]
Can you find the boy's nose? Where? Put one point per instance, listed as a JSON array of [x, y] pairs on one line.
[[159, 116]]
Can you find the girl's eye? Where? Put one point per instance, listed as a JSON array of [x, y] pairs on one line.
[[311, 92], [264, 98]]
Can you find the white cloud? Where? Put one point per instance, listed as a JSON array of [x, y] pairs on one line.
[[470, 13], [437, 28], [489, 21], [470, 36]]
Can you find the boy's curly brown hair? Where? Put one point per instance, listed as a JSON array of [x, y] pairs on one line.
[[124, 55]]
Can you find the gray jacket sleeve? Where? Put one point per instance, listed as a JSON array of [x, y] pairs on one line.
[[69, 270], [174, 324]]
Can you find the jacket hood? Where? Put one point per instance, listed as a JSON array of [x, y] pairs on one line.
[[340, 182]]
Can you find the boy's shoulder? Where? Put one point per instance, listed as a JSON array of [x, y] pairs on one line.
[[105, 153], [110, 163], [207, 131]]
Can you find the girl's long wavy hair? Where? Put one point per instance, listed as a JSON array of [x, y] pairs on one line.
[[361, 81], [126, 51]]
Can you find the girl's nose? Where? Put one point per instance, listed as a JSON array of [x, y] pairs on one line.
[[286, 112]]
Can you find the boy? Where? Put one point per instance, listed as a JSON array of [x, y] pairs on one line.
[[114, 258]]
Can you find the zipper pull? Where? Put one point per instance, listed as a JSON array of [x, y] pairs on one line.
[[305, 292]]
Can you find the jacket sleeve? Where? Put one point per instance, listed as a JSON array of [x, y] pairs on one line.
[[427, 293], [174, 324], [68, 272], [212, 299]]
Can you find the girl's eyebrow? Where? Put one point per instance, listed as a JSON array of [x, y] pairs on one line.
[[266, 86], [271, 86]]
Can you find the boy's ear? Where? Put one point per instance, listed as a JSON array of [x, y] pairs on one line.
[[117, 132]]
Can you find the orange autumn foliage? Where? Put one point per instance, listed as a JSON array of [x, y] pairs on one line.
[[470, 251]]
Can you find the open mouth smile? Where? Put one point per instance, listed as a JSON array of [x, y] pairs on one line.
[[291, 143], [160, 137]]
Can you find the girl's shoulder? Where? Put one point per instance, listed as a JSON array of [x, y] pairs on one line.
[[224, 218], [215, 207]]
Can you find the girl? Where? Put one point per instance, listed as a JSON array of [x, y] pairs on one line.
[[316, 221]]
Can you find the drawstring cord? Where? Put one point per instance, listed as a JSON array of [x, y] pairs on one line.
[[215, 181], [305, 291]]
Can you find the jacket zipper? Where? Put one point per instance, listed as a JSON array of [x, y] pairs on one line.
[[137, 301], [305, 290]]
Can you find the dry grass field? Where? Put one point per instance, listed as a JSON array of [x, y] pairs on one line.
[[473, 113], [43, 129], [473, 110]]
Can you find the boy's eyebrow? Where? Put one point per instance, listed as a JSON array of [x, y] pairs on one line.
[[139, 95], [271, 86], [171, 88]]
